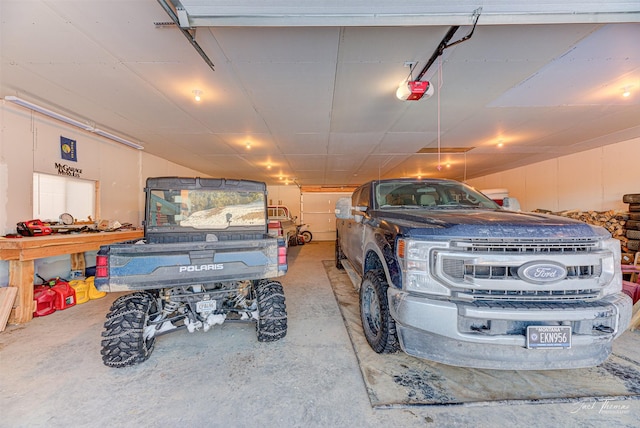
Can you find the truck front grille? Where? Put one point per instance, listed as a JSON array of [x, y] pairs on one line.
[[458, 269], [530, 295], [528, 246], [487, 270]]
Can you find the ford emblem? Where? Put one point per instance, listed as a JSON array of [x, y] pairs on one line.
[[542, 272]]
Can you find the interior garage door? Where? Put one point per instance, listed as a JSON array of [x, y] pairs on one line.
[[318, 211]]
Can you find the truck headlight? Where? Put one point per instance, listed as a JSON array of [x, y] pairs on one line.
[[611, 266], [415, 262]]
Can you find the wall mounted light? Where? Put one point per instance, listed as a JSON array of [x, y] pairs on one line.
[[69, 121], [49, 113], [196, 94], [118, 139]]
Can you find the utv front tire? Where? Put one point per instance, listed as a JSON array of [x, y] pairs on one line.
[[126, 340], [378, 325], [272, 311]]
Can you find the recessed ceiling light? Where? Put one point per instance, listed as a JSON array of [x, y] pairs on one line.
[[196, 94], [626, 92]]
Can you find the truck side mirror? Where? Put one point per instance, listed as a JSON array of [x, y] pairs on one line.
[[343, 208], [359, 212]]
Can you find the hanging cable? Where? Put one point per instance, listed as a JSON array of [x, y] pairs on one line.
[[439, 167]]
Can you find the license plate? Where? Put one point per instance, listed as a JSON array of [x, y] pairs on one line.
[[206, 306], [558, 336]]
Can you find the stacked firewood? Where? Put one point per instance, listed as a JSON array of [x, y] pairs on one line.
[[613, 221]]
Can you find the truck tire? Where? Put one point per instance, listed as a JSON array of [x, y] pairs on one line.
[[272, 311], [631, 198], [633, 234], [339, 255], [378, 325], [307, 236], [124, 340], [633, 224]]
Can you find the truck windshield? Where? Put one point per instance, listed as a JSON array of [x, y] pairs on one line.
[[206, 209], [425, 194]]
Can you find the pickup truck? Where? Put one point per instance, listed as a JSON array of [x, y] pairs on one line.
[[206, 257], [449, 276], [283, 224]]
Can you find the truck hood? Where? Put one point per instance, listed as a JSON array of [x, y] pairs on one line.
[[482, 223]]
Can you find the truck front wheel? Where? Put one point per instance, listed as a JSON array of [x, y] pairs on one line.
[[377, 323], [272, 311], [127, 338]]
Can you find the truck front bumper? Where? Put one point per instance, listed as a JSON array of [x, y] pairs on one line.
[[492, 335]]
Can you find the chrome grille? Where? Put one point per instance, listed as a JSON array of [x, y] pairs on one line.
[[460, 270], [457, 269], [527, 246], [531, 295]]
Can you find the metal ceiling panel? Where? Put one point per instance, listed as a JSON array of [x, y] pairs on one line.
[[318, 102]]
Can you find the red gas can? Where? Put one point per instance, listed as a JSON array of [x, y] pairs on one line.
[[65, 294], [45, 299]]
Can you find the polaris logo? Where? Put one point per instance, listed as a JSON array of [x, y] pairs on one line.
[[201, 268], [542, 273]]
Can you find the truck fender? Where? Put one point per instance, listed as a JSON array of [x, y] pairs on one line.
[[379, 254]]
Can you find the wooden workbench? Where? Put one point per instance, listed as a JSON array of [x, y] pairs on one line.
[[21, 252]]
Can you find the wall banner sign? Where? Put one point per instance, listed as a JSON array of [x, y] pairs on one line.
[[68, 149], [68, 170]]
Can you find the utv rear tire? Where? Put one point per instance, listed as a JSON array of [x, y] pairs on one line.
[[124, 341], [272, 311], [378, 325]]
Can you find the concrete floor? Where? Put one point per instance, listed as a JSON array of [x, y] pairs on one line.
[[51, 375]]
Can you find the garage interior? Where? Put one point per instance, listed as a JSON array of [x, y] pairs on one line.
[[537, 99]]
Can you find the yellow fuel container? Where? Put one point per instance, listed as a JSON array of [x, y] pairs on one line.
[[82, 290], [93, 291]]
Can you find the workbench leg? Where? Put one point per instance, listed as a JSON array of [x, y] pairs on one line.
[[78, 262], [21, 276]]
